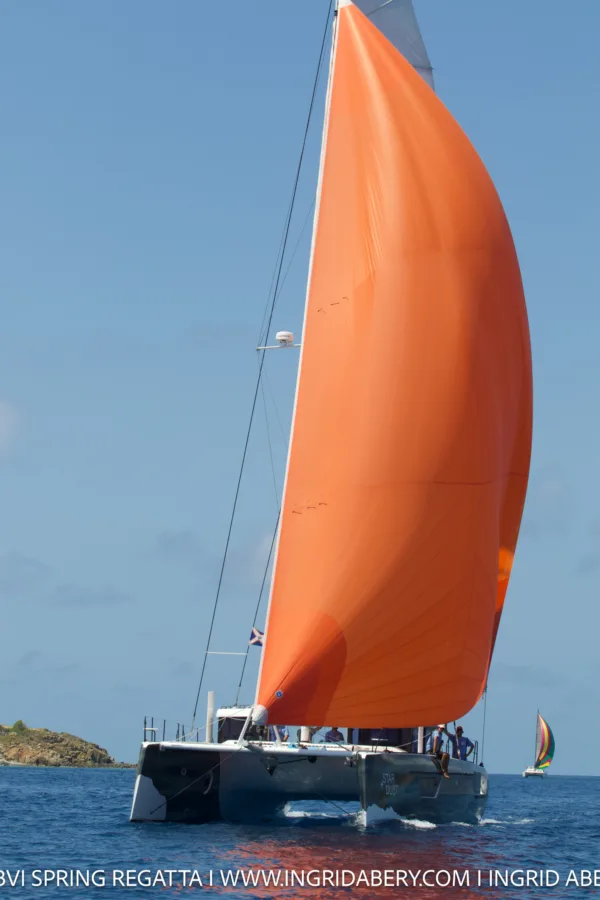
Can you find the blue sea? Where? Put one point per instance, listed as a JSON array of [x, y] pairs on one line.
[[76, 820]]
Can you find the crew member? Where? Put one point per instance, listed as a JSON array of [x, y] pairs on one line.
[[435, 747], [462, 747]]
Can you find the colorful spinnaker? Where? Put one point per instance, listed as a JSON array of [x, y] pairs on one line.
[[410, 447], [544, 744]]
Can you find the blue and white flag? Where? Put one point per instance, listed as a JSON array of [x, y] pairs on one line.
[[256, 638]]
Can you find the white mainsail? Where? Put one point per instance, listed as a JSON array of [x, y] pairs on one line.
[[396, 19]]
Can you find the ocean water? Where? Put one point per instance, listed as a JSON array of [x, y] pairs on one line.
[[77, 820]]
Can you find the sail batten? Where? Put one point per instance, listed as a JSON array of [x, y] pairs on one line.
[[410, 447]]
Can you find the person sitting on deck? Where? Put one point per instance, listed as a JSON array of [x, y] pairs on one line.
[[283, 733], [435, 747], [334, 736], [462, 747]]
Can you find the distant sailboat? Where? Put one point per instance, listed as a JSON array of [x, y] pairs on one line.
[[407, 467], [544, 749]]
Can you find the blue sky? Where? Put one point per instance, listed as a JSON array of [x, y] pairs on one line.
[[146, 162]]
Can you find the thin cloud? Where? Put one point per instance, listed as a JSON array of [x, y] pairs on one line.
[[21, 574], [550, 508], [529, 676], [180, 668], [34, 665], [184, 550], [217, 335], [250, 561], [245, 563], [9, 424], [79, 597], [589, 562], [178, 546]]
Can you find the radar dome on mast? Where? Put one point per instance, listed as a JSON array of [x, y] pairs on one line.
[[285, 338]]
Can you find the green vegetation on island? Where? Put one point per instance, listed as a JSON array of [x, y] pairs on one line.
[[23, 746]]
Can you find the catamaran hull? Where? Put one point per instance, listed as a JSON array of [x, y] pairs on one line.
[[196, 783], [531, 770], [411, 785]]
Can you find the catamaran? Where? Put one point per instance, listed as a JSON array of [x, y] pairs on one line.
[[407, 467], [544, 749]]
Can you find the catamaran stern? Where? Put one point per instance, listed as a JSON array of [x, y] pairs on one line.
[[197, 783], [411, 785], [176, 784]]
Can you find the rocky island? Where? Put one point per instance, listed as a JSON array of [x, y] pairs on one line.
[[23, 746]]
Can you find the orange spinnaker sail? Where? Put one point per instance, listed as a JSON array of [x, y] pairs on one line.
[[412, 433]]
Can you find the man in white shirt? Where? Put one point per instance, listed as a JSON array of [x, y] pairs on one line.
[[435, 747]]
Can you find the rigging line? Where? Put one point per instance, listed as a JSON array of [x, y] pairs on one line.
[[262, 360], [267, 381], [381, 5], [264, 399], [260, 339], [484, 715], [295, 250], [349, 815], [195, 781], [262, 587], [273, 276], [288, 220]]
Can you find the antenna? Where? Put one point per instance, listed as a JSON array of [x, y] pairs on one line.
[[284, 339]]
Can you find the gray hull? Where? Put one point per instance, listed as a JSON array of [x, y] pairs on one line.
[[411, 785], [195, 783]]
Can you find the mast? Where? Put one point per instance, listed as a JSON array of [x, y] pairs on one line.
[[257, 714]]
